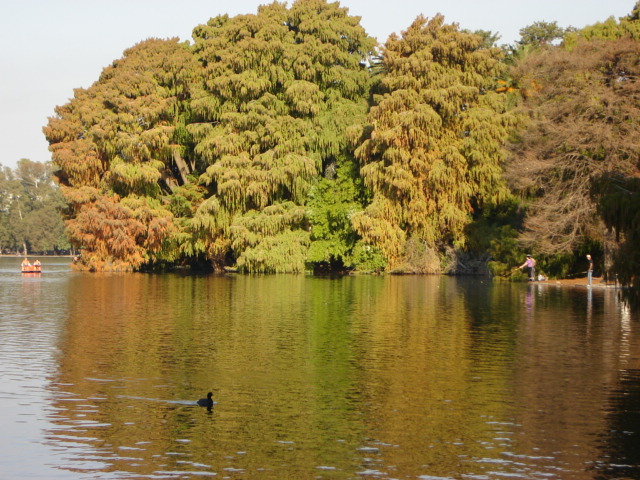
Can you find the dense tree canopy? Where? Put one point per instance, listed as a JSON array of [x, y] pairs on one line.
[[287, 140], [211, 151], [116, 148], [30, 209], [583, 124], [279, 90], [432, 153]]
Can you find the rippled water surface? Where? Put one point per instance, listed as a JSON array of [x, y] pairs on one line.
[[352, 378]]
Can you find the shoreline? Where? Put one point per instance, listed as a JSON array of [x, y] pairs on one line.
[[13, 255], [598, 282]]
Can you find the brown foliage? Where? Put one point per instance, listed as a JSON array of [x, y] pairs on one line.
[[116, 235], [583, 123]]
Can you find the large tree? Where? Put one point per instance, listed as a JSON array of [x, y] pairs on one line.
[[583, 123], [280, 87], [119, 147], [210, 152], [432, 150], [542, 33]]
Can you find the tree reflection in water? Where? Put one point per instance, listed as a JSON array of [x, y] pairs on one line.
[[401, 377]]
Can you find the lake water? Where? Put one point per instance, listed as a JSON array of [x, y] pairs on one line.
[[363, 377]]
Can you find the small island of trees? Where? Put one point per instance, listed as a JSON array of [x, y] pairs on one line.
[[289, 141]]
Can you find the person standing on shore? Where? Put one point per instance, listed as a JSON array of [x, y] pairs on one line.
[[589, 270], [530, 263]]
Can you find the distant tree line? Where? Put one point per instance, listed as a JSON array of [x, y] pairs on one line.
[[30, 208], [287, 140]]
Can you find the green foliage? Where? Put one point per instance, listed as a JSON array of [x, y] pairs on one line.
[[610, 29], [433, 150], [562, 265], [504, 251], [493, 237], [368, 259], [185, 200], [337, 195], [282, 140], [272, 240], [44, 230], [542, 33], [30, 209], [635, 13], [117, 134], [280, 87]]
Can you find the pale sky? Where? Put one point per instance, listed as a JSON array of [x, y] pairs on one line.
[[50, 47]]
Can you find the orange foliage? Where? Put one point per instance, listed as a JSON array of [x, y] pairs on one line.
[[114, 236]]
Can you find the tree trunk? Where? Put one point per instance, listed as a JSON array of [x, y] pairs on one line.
[[183, 168]]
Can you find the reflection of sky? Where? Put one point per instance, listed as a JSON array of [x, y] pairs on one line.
[[32, 313]]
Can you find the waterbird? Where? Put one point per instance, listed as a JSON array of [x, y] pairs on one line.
[[206, 402]]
